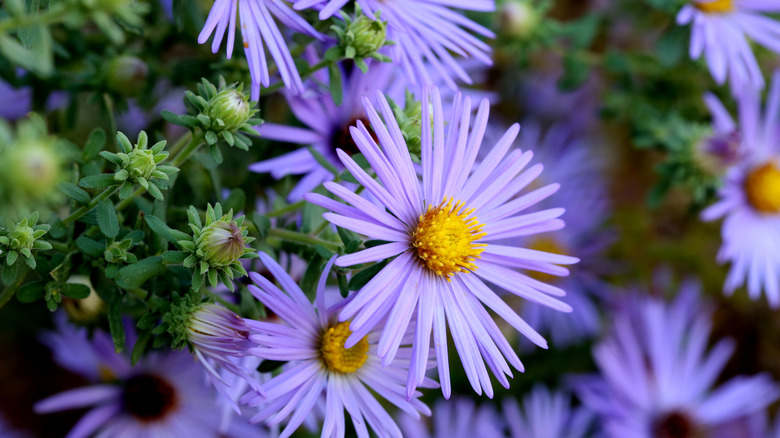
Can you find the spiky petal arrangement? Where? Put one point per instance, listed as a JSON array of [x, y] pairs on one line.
[[140, 164], [216, 247]]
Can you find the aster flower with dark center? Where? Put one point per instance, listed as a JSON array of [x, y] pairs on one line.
[[720, 32], [749, 201], [657, 376], [320, 365], [162, 395], [441, 235], [427, 33], [258, 31]]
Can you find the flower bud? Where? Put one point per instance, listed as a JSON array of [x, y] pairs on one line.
[[518, 18], [142, 163], [126, 75], [34, 168], [365, 36], [232, 107], [87, 309], [221, 242]]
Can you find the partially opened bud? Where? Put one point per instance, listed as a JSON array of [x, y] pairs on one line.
[[232, 107], [221, 242]]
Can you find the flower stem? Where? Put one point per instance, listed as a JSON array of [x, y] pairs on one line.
[[180, 156], [294, 236], [284, 210]]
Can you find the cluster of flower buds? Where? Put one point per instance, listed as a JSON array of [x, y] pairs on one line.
[[21, 239], [216, 247], [140, 164]]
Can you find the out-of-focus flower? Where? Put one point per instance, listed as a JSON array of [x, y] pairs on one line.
[[458, 418], [441, 236], [719, 31], [126, 75], [519, 18], [258, 31], [426, 32], [546, 414], [163, 395], [320, 364], [658, 378], [749, 201]]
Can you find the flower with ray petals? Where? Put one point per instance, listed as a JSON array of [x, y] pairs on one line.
[[657, 376], [458, 418], [312, 340], [258, 31], [546, 414], [719, 33], [427, 32], [441, 236], [749, 200]]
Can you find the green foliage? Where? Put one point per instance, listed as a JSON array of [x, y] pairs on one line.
[[358, 39]]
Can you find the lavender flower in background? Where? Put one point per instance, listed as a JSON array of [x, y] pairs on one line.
[[719, 31], [458, 418], [312, 340], [749, 201], [258, 31], [163, 395], [657, 376], [546, 414], [579, 171], [441, 235], [427, 32]]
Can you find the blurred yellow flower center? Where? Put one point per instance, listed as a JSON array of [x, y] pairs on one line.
[[550, 245], [444, 238], [762, 188], [338, 358], [716, 6]]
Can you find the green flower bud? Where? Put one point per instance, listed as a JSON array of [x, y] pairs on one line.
[[126, 75], [22, 239], [410, 121], [142, 163], [85, 310], [518, 18], [221, 242], [34, 168], [232, 107], [364, 36]]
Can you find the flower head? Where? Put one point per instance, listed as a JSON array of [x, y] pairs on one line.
[[442, 233], [657, 377], [546, 414], [748, 200], [457, 418], [321, 364], [720, 32]]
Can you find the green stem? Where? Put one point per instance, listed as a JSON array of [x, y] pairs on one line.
[[186, 153], [284, 210], [125, 202], [10, 291], [111, 119], [59, 246], [105, 194], [294, 236], [180, 143]]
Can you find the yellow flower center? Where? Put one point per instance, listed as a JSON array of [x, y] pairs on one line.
[[444, 238], [762, 188], [338, 358], [716, 6], [546, 244]]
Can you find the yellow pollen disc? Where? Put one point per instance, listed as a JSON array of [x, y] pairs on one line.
[[444, 238], [716, 7], [338, 358], [762, 188], [550, 245]]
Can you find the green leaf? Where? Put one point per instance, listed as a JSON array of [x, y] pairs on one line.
[[324, 161], [174, 257], [73, 192], [90, 247], [9, 274], [116, 326], [133, 276], [94, 144], [37, 58], [312, 275], [350, 239], [336, 83], [268, 366], [263, 225], [107, 220], [158, 226], [211, 138], [31, 292], [140, 346], [98, 181], [361, 278], [215, 153], [575, 73], [75, 291]]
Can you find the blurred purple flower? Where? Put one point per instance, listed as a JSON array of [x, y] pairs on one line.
[[657, 377], [458, 418], [441, 233], [312, 340], [546, 414], [749, 200], [719, 30]]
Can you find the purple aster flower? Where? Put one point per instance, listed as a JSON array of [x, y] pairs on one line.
[[580, 173], [427, 33], [546, 414], [162, 395], [258, 31], [458, 418], [657, 375], [749, 201], [441, 236], [312, 340], [719, 32]]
